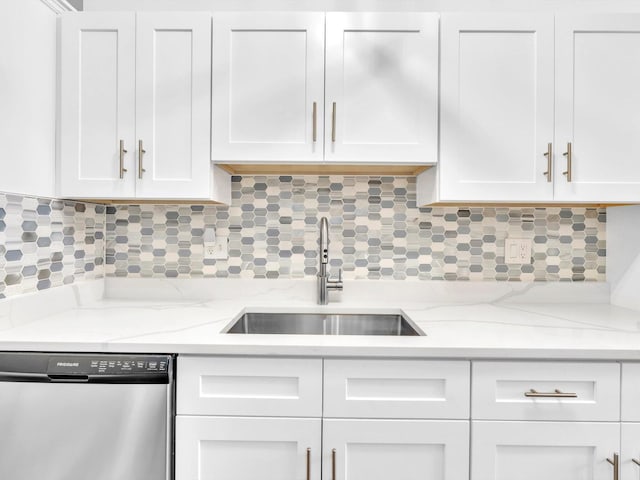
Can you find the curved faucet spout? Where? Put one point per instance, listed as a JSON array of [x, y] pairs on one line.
[[324, 283]]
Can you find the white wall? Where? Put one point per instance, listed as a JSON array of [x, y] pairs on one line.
[[27, 97], [623, 255], [367, 5]]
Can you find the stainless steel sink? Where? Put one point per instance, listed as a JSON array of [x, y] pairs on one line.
[[324, 324]]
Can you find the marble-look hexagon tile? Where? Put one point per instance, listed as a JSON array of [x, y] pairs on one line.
[[46, 243], [376, 231]]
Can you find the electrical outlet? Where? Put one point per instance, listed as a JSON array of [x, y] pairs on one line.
[[218, 250], [517, 251]]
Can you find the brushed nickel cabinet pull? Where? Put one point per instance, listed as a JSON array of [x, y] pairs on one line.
[[122, 152], [637, 462], [333, 123], [549, 155], [555, 394], [616, 465], [308, 464], [141, 152], [569, 155], [315, 122], [333, 459]]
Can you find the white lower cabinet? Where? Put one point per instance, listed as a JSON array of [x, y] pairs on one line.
[[630, 444], [244, 448], [543, 450], [395, 449]]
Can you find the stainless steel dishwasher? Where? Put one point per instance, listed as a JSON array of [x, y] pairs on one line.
[[84, 416]]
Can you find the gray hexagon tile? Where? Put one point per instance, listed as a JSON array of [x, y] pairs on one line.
[[376, 231], [46, 243]]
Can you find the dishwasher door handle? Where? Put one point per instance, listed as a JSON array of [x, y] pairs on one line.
[[68, 378]]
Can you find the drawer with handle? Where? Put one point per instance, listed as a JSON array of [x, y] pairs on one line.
[[566, 391]]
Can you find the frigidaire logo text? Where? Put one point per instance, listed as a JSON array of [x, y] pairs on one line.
[[68, 364]]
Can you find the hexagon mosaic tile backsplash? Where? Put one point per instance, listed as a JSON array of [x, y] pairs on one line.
[[46, 243], [376, 232]]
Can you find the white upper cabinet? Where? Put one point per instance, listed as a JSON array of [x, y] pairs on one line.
[[598, 107], [135, 107], [173, 91], [529, 117], [268, 86], [271, 102], [496, 107], [381, 101], [98, 72]]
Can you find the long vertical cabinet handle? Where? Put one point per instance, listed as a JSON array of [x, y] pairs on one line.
[[315, 122], [616, 466], [333, 123], [122, 152], [549, 155], [141, 152], [308, 464], [569, 155], [333, 459]]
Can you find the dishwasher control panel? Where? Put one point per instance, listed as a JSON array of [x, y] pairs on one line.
[[113, 366]]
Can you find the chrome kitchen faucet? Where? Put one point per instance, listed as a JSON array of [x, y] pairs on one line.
[[324, 283]]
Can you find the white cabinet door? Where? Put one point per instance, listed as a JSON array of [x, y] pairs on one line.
[[630, 442], [97, 105], [598, 107], [496, 107], [268, 86], [173, 92], [395, 449], [543, 450], [236, 448], [382, 87]]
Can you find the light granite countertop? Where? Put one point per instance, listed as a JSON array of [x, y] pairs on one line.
[[481, 320]]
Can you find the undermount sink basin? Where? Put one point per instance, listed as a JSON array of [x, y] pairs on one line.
[[325, 324]]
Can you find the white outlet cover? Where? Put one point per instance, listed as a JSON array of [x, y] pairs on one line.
[[517, 251], [218, 250]]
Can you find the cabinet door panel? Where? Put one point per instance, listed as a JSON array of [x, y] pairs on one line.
[[598, 107], [97, 105], [398, 449], [173, 97], [268, 70], [237, 448], [382, 74], [630, 441], [497, 107], [535, 450]]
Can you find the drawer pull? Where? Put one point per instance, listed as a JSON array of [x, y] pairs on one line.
[[616, 465], [308, 464], [555, 394], [333, 464], [637, 462]]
